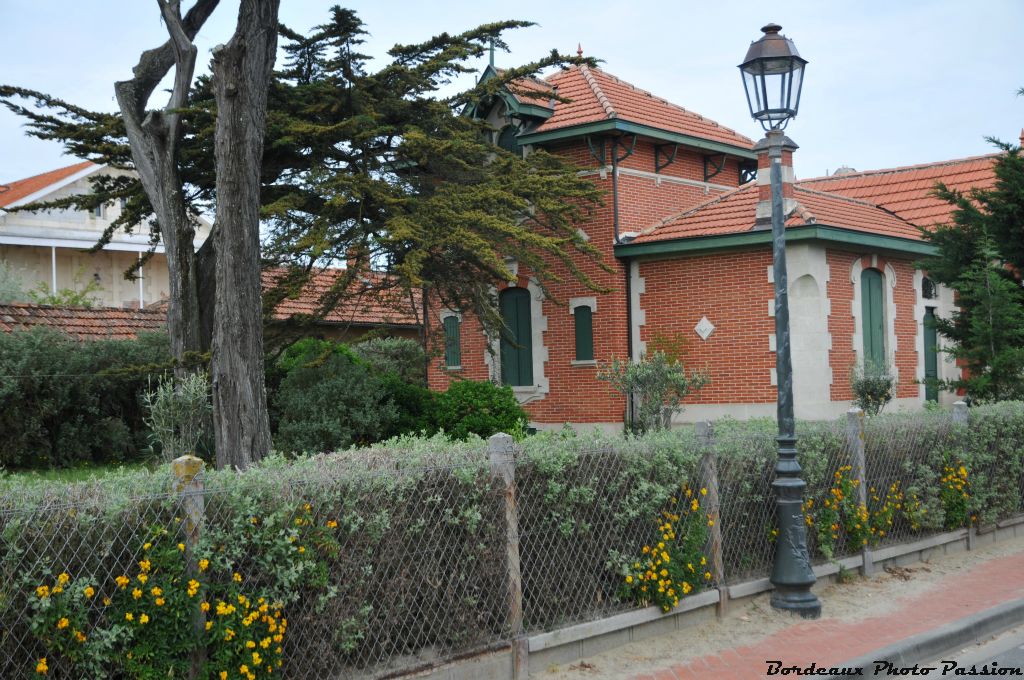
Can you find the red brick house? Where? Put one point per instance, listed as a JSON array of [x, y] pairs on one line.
[[683, 228]]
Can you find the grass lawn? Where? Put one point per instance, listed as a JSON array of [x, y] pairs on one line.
[[81, 473]]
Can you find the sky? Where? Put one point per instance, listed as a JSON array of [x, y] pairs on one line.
[[889, 83]]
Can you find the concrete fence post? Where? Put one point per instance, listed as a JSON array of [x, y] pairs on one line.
[[503, 468], [189, 487], [712, 506], [962, 417], [855, 441]]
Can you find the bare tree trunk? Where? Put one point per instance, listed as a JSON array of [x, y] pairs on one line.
[[154, 138], [241, 77]]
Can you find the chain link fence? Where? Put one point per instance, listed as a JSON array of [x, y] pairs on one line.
[[377, 563]]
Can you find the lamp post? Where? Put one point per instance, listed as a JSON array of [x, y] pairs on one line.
[[772, 78]]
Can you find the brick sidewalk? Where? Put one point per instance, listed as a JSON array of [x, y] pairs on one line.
[[829, 642]]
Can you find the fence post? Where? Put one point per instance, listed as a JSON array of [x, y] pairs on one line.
[[502, 450], [189, 486], [709, 480], [855, 440], [961, 416]]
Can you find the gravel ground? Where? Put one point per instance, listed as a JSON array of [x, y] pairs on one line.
[[746, 624]]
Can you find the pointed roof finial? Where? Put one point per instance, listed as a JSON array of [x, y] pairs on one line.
[[579, 50], [491, 50]]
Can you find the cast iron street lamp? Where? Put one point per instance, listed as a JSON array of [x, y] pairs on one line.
[[773, 77]]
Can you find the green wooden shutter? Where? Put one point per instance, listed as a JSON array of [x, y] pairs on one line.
[[931, 356], [452, 342], [517, 355], [584, 333], [872, 317]]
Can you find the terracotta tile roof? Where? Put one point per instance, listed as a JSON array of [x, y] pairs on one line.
[[906, 191], [598, 96], [372, 302], [81, 323], [14, 191], [734, 212]]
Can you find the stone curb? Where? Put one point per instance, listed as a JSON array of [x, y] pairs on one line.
[[930, 645]]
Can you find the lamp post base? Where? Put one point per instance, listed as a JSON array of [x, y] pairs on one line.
[[799, 601]]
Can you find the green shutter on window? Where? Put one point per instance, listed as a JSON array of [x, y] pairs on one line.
[[872, 317], [517, 355], [452, 342], [584, 333]]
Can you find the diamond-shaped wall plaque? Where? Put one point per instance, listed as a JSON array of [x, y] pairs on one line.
[[704, 328]]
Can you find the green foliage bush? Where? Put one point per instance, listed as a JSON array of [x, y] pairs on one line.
[[64, 402], [479, 407], [873, 387], [328, 399], [402, 357]]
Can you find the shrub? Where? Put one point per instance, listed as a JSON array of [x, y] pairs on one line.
[[179, 413], [10, 285], [479, 407], [401, 356], [657, 385], [328, 399], [64, 402], [873, 387]]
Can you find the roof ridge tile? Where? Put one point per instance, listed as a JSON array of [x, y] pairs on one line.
[[901, 169], [689, 211], [596, 89]]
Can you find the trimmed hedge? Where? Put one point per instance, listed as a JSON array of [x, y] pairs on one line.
[[64, 402]]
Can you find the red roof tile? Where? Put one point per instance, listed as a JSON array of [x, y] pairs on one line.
[[370, 302], [81, 323], [598, 96], [17, 190], [734, 212], [907, 191]]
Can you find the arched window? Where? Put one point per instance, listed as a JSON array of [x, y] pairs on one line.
[[873, 317], [928, 289], [517, 350]]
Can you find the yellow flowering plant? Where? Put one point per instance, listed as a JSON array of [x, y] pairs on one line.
[[673, 565], [955, 494]]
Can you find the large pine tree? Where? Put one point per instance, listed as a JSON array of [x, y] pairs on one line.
[[981, 256]]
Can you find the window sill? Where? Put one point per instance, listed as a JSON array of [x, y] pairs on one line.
[[453, 368], [583, 362]]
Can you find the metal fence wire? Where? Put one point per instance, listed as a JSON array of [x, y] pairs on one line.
[[376, 564]]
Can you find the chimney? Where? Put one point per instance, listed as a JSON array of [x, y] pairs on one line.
[[784, 147], [1022, 137]]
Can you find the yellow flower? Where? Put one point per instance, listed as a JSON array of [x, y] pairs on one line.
[[256, 658], [204, 606], [89, 591], [143, 619], [136, 593], [106, 602], [129, 616], [143, 578], [43, 592], [41, 667], [629, 579], [237, 577], [63, 578], [181, 547], [229, 634], [302, 549], [331, 524], [159, 602], [249, 644], [156, 591], [80, 636], [694, 504], [703, 491], [122, 582], [145, 565], [223, 675], [243, 669], [255, 520], [63, 623], [147, 546], [204, 565]]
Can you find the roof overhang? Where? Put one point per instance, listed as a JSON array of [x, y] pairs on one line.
[[59, 184], [752, 239], [627, 127]]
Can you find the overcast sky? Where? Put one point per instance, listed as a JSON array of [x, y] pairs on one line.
[[889, 83]]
